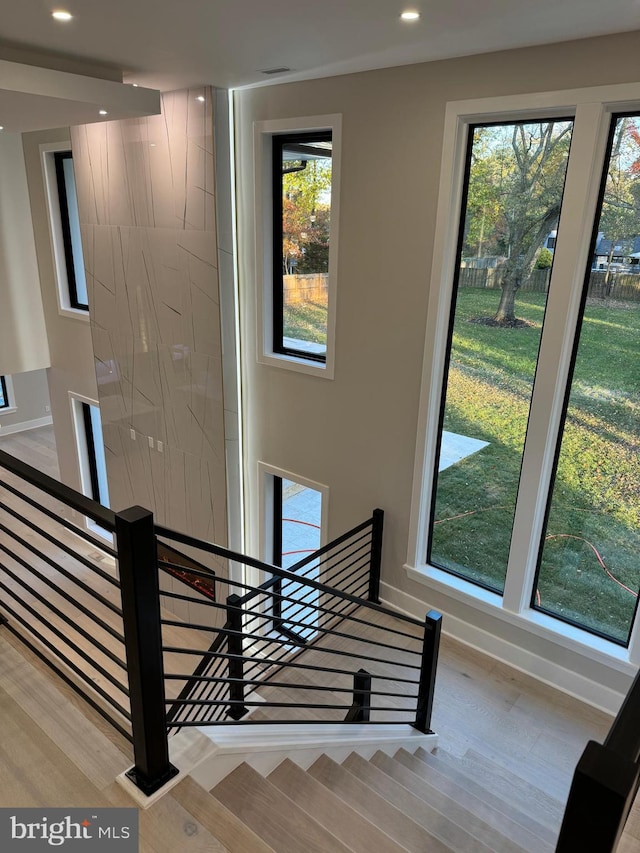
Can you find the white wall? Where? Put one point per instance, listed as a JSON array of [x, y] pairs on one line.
[[357, 433]]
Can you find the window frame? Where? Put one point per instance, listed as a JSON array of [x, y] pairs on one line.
[[85, 454], [59, 158], [592, 110], [60, 244], [267, 351]]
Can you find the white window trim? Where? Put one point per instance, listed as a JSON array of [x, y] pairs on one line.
[[82, 454], [592, 109], [263, 131], [11, 397], [65, 309]]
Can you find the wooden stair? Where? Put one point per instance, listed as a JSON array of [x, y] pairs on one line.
[[409, 802]]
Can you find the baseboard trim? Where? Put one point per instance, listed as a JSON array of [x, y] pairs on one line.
[[547, 671], [24, 425]]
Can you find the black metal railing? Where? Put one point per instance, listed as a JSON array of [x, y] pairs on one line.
[[605, 784], [107, 623]]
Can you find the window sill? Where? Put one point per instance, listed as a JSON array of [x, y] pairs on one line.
[[10, 410], [74, 313], [532, 621], [298, 364]]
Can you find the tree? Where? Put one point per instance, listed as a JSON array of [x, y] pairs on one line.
[[514, 193], [305, 217], [544, 260]]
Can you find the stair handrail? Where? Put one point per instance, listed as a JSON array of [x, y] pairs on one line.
[[605, 784]]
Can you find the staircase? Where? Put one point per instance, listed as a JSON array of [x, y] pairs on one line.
[[410, 802]]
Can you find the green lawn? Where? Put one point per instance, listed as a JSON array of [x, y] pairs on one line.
[[596, 509], [306, 321]]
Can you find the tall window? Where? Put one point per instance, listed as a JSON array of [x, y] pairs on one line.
[[4, 395], [588, 569], [533, 510], [93, 466], [70, 227], [513, 192], [302, 179]]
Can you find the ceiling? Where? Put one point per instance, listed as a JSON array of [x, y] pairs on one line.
[[228, 43]]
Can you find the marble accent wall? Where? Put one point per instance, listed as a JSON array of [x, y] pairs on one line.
[[146, 196]]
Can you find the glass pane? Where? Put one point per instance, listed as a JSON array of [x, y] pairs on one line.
[[3, 395], [74, 228], [100, 461], [306, 220], [589, 570], [513, 193], [301, 514]]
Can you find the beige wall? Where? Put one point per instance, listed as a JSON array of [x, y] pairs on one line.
[[31, 399], [23, 337], [357, 434], [70, 345]]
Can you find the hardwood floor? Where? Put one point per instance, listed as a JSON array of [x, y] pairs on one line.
[[37, 447]]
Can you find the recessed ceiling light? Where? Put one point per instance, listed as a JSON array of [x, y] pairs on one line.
[[61, 15], [200, 98], [410, 15], [103, 112], [1, 127]]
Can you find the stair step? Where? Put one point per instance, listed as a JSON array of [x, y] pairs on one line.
[[374, 808], [432, 819], [506, 785], [329, 811], [272, 815], [230, 830], [483, 822], [496, 812]]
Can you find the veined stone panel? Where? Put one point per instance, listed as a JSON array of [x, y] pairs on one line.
[[146, 199]]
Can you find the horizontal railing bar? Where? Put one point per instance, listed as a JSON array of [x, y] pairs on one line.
[[286, 685], [58, 568], [287, 575], [63, 616], [66, 548], [282, 641], [306, 599], [68, 662], [77, 649], [250, 722], [70, 683], [309, 705], [278, 662], [331, 632], [350, 549], [104, 517], [181, 597], [333, 544]]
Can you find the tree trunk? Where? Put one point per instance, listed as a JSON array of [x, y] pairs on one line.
[[506, 312]]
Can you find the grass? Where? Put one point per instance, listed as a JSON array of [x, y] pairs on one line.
[[306, 321], [596, 507]]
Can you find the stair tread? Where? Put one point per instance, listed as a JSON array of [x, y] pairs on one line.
[[504, 784], [230, 830], [375, 808], [494, 810], [272, 815], [450, 831], [325, 807], [459, 805]]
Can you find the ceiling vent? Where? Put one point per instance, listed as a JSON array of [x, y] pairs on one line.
[[281, 70]]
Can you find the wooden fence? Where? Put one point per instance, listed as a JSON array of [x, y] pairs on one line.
[[302, 289], [622, 286]]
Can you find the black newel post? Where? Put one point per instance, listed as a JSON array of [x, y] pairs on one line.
[[376, 555], [430, 647], [137, 561], [360, 711], [236, 663]]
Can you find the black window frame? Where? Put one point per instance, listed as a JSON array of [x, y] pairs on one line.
[[5, 394], [91, 453], [279, 141], [63, 201]]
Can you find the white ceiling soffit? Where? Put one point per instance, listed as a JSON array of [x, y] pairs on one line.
[[33, 98]]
